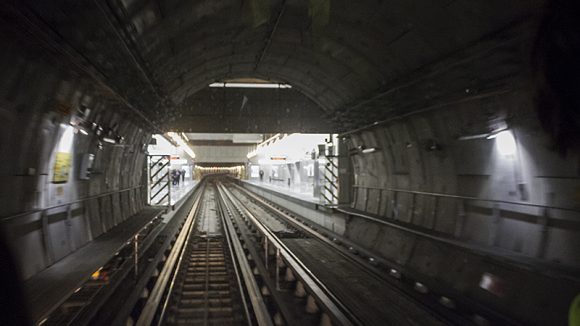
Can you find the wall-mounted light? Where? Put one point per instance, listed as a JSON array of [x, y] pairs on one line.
[[363, 149], [109, 140], [369, 150], [432, 146], [505, 142]]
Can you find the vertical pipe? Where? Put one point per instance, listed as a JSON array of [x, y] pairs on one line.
[[460, 219], [495, 227], [87, 219], [412, 208], [395, 208], [379, 198], [169, 180], [111, 198], [136, 255], [366, 199], [434, 213], [266, 251], [46, 238], [148, 159], [68, 228], [278, 261], [543, 221]]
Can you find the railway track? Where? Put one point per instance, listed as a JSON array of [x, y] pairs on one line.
[[365, 297], [200, 283], [205, 286], [374, 293], [238, 259], [227, 267]]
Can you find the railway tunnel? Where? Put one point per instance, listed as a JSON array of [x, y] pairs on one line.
[[285, 162]]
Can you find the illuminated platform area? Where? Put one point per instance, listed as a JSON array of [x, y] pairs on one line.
[[305, 165]]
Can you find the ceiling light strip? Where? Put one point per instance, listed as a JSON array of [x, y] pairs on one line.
[[250, 85], [179, 139]]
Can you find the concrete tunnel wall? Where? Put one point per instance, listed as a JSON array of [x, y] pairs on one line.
[[471, 168], [36, 102], [529, 293], [536, 175]]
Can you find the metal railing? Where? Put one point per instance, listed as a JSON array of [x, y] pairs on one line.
[[90, 295], [77, 201], [44, 218], [259, 308], [497, 209], [337, 312]]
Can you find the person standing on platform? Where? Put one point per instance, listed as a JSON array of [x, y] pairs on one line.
[[183, 175], [261, 175]]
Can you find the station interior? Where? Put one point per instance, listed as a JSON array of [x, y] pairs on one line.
[[290, 162]]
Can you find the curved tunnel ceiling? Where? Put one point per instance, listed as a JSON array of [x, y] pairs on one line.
[[334, 54], [337, 53]]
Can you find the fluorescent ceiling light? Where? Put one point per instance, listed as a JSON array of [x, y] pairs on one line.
[[179, 139], [250, 85], [294, 147], [369, 150], [66, 140]]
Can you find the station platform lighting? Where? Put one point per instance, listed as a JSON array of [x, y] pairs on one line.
[[236, 171], [180, 140], [250, 85], [287, 148]]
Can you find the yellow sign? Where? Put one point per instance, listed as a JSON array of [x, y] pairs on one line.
[[574, 316], [61, 168]]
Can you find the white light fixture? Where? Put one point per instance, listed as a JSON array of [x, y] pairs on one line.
[[505, 142], [65, 143], [109, 140], [250, 85], [369, 150], [179, 139]]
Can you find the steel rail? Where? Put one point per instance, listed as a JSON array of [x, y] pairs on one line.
[[234, 255], [286, 217], [248, 237], [151, 306], [261, 313], [175, 270], [337, 311], [303, 227]]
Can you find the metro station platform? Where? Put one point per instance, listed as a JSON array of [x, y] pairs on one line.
[[179, 191], [293, 192]]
